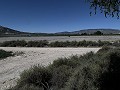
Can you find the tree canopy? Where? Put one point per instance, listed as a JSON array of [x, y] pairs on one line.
[[108, 7]]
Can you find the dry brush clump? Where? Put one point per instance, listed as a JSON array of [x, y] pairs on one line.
[[45, 43], [91, 71], [4, 54]]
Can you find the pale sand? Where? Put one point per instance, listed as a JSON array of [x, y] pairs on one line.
[[11, 67]]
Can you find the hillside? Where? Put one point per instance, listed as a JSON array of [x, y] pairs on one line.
[[5, 32], [91, 31]]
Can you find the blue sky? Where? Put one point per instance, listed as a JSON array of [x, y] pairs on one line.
[[52, 16]]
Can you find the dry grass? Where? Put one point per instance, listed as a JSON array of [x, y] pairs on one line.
[[63, 38], [11, 67]]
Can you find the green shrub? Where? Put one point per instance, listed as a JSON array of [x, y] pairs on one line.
[[91, 71], [17, 43], [41, 43], [110, 80], [65, 61], [63, 69], [82, 79], [4, 54], [60, 76], [45, 43], [27, 87], [7, 43], [37, 76]]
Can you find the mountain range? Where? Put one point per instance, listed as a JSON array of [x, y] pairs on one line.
[[92, 31], [4, 31]]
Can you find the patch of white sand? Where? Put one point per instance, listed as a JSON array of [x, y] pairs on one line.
[[11, 67]]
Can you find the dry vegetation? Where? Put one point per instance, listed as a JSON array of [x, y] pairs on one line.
[[91, 71], [63, 38], [5, 54], [11, 67], [44, 43]]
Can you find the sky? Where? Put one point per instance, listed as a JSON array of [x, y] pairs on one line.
[[49, 16]]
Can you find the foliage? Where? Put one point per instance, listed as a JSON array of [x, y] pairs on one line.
[[44, 43], [91, 71], [98, 33], [4, 54], [41, 43], [110, 79], [17, 43], [108, 7], [36, 76]]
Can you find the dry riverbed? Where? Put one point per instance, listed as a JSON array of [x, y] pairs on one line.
[[11, 67]]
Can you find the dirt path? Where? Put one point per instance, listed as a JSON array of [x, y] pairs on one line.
[[11, 67]]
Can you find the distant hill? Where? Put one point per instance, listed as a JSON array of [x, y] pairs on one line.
[[8, 31], [4, 31], [91, 31]]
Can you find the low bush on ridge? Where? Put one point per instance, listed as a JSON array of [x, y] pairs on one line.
[[17, 43], [41, 43], [91, 71], [4, 54], [45, 43]]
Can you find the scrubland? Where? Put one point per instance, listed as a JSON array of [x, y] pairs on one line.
[[90, 71], [63, 38], [74, 64], [25, 57]]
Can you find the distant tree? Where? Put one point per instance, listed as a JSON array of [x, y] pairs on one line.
[[108, 7], [98, 33], [84, 34]]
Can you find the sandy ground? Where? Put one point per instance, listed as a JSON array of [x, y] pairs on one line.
[[11, 67], [63, 38]]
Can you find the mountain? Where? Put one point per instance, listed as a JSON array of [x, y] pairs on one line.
[[4, 31], [91, 31]]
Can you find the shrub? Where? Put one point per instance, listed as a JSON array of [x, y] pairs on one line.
[[7, 43], [17, 43], [27, 87], [104, 49], [41, 43], [110, 80], [72, 62], [37, 76], [4, 54], [45, 43], [60, 76], [91, 71], [82, 79]]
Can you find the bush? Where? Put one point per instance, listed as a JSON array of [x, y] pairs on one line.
[[82, 79], [110, 79], [44, 43], [91, 71], [17, 43], [71, 62], [4, 54], [60, 76], [41, 43], [37, 76], [27, 87]]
